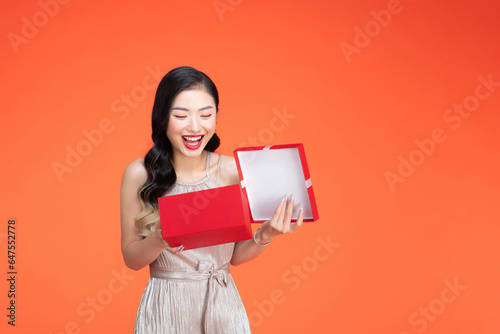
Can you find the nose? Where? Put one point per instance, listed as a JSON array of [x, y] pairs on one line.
[[194, 124]]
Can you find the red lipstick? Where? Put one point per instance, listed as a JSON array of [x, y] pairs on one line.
[[192, 142]]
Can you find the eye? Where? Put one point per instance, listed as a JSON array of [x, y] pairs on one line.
[[206, 116], [179, 117]]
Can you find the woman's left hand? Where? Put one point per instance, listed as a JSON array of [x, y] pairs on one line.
[[280, 223]]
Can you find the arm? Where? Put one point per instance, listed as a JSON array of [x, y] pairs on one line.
[[280, 223], [137, 251]]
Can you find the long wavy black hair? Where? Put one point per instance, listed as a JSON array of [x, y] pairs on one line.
[[161, 173]]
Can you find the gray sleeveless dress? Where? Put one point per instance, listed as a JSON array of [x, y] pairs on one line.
[[192, 292]]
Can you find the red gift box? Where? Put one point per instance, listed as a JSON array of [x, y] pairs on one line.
[[205, 218], [267, 173], [221, 215]]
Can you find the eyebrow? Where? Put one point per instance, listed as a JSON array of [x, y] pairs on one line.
[[186, 109]]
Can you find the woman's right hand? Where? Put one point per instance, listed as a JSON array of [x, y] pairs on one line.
[[157, 235]]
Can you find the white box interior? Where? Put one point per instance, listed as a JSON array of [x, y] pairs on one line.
[[268, 176]]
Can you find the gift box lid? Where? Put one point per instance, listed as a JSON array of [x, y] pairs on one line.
[[268, 173]]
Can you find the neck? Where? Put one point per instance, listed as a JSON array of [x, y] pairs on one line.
[[188, 167]]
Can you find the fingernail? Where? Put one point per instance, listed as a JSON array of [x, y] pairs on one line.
[[301, 210], [293, 198], [283, 200]]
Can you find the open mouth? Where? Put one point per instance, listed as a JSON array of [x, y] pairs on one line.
[[192, 142]]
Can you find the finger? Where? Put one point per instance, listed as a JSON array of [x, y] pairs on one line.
[[299, 221], [172, 250], [175, 250], [281, 215], [288, 214], [276, 214]]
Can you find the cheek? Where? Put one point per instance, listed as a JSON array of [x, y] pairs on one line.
[[210, 125], [174, 127]]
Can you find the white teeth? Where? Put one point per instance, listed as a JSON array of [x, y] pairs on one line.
[[193, 139]]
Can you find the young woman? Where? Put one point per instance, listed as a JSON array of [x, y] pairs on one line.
[[189, 291]]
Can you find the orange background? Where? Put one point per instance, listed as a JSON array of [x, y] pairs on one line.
[[394, 249]]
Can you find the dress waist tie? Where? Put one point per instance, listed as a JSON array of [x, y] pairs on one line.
[[204, 271]]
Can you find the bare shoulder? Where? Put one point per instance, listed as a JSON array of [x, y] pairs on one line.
[[228, 161], [228, 171], [135, 172]]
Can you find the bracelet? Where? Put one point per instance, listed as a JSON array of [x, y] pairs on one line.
[[255, 240]]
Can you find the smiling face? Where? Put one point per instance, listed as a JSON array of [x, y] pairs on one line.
[[192, 122]]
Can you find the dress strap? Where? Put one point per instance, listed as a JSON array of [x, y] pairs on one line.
[[208, 164], [218, 171], [208, 167]]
